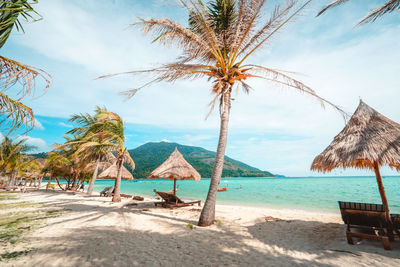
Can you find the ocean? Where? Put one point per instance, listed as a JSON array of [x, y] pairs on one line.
[[305, 193]]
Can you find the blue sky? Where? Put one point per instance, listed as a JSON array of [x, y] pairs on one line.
[[272, 128]]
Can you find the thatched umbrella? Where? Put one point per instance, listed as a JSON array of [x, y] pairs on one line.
[[368, 141], [174, 168], [112, 172]]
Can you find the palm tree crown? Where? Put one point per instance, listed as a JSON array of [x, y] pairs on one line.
[[220, 40]]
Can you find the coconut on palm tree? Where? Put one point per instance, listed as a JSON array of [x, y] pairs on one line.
[[218, 44], [18, 76], [388, 7]]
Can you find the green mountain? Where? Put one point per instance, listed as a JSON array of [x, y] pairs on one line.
[[150, 155]]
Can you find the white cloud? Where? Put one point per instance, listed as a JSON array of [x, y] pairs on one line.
[[165, 140], [65, 125], [38, 142], [38, 125]]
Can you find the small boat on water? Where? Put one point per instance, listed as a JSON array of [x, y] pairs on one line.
[[223, 188]]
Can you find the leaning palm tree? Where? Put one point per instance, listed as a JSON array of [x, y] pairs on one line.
[[92, 144], [57, 165], [13, 74], [221, 37], [388, 7], [113, 130]]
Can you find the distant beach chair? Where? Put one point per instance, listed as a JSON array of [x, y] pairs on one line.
[[396, 223], [368, 219], [107, 191], [172, 201]]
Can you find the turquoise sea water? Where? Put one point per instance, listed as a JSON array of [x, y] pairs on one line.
[[315, 193]]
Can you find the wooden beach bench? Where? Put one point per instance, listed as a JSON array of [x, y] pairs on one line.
[[107, 191], [368, 219], [172, 201], [396, 223]]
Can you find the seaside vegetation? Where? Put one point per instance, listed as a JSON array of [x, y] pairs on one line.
[[217, 44], [96, 143], [14, 161], [151, 155]]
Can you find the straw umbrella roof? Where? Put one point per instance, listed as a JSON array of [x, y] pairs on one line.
[[112, 172], [369, 138], [175, 167]]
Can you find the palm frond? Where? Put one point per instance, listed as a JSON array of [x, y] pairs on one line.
[[10, 10], [222, 35], [389, 7], [331, 5], [278, 77], [14, 114], [13, 72], [386, 8]]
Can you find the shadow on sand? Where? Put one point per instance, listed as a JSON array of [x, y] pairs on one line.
[[279, 243]]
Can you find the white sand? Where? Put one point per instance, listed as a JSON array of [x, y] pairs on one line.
[[94, 232]]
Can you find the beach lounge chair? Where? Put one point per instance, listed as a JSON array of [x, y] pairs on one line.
[[107, 191], [396, 223], [172, 201], [368, 219]]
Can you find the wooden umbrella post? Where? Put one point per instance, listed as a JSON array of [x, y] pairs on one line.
[[175, 187], [382, 190]]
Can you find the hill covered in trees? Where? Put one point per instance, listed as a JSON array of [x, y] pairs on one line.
[[150, 155]]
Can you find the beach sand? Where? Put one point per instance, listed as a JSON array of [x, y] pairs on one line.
[[92, 231]]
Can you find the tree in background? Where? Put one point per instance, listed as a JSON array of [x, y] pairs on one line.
[[93, 145], [113, 130], [13, 158]]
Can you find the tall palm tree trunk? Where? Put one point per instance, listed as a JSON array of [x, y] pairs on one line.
[[74, 187], [207, 216], [12, 179], [96, 171], [49, 182], [40, 181], [117, 186]]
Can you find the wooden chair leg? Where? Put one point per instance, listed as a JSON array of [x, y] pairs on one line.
[[349, 238], [386, 243], [390, 234]]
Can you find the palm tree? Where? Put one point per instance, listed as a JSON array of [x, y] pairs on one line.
[[373, 15], [217, 45], [113, 131], [13, 113], [92, 145], [12, 156], [57, 165]]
